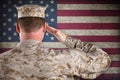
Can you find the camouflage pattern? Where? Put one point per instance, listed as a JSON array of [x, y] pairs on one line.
[[30, 10], [30, 60]]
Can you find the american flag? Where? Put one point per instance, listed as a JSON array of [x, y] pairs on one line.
[[95, 21]]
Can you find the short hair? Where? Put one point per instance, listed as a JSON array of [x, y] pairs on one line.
[[30, 24]]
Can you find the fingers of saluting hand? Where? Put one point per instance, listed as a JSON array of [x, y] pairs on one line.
[[52, 30], [57, 33]]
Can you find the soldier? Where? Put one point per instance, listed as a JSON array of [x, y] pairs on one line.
[[30, 60]]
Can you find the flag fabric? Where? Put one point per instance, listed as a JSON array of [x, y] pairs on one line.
[[95, 21]]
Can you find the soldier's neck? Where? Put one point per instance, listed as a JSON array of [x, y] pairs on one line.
[[31, 36]]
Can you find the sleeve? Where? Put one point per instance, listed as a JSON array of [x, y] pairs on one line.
[[82, 59], [1, 65], [73, 43]]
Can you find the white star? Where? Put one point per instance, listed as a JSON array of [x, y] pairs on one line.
[[41, 2], [9, 38], [15, 24], [4, 24], [52, 38], [52, 1], [4, 15], [47, 15], [20, 1], [15, 15], [15, 5], [47, 34], [52, 10], [9, 29], [52, 20], [4, 33], [47, 5], [9, 19], [4, 6], [30, 1], [9, 10], [47, 23], [15, 34]]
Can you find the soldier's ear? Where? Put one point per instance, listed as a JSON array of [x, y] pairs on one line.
[[17, 28], [44, 27]]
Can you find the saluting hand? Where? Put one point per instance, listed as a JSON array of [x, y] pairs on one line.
[[57, 33]]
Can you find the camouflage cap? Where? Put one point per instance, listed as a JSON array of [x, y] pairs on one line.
[[31, 10]]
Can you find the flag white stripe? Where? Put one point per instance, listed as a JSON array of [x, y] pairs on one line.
[[88, 19], [60, 45], [107, 44], [115, 57], [94, 32], [88, 7], [113, 70]]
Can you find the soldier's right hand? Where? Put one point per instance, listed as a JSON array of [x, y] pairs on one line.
[[57, 33]]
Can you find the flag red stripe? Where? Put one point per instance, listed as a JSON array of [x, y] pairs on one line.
[[112, 51], [88, 12], [115, 64], [88, 26], [98, 38], [88, 1], [4, 49], [108, 77]]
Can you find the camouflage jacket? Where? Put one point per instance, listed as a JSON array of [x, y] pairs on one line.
[[29, 60]]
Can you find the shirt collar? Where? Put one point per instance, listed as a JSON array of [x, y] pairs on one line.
[[29, 44]]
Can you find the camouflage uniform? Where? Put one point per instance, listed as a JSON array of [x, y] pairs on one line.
[[30, 60]]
